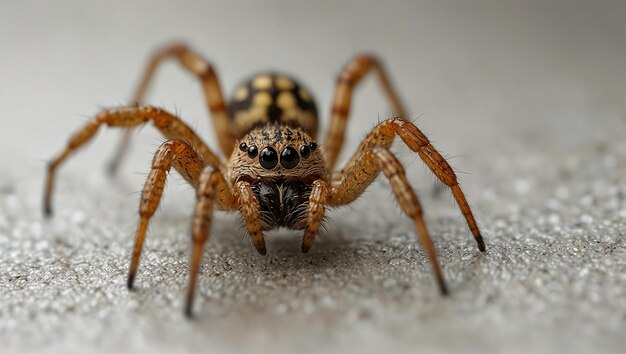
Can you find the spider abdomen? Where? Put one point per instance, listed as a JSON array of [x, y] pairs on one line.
[[273, 99], [283, 203]]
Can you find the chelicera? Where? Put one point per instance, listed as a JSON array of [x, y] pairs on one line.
[[271, 170]]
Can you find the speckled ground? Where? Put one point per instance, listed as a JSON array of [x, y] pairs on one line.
[[554, 273], [527, 100]]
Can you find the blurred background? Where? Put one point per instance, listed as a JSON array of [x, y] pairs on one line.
[[507, 70], [521, 95]]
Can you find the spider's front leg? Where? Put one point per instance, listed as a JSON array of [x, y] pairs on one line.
[[211, 187], [169, 125], [315, 213], [384, 134], [188, 163], [251, 212], [350, 184]]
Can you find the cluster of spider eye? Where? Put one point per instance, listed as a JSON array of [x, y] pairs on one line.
[[271, 112], [289, 157]]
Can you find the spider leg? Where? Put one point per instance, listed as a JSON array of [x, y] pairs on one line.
[[351, 184], [187, 162], [169, 125], [250, 210], [315, 213], [212, 186], [351, 76], [383, 135], [203, 70]]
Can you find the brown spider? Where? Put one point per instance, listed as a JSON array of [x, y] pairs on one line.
[[277, 176]]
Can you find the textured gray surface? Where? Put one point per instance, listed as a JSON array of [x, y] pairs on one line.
[[528, 99], [553, 278]]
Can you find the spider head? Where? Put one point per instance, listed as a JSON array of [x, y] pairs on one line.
[[277, 152]]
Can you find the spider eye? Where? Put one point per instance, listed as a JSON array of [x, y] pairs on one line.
[[252, 152], [243, 147], [268, 158], [305, 151], [289, 158], [313, 145]]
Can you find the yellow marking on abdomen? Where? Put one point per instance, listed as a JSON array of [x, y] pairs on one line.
[[262, 82], [285, 100], [262, 99], [284, 83]]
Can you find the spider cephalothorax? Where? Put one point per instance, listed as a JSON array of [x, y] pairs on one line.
[[277, 175], [280, 163], [276, 151]]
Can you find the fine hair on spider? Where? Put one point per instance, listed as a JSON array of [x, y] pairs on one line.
[[271, 169]]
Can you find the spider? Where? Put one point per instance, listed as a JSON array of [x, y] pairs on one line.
[[272, 170]]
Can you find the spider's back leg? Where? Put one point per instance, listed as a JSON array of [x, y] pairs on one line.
[[203, 70], [347, 81]]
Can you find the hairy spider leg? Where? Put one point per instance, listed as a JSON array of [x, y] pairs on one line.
[[211, 187], [315, 213], [169, 125], [370, 164], [188, 163], [250, 210], [204, 71], [351, 76], [383, 136]]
